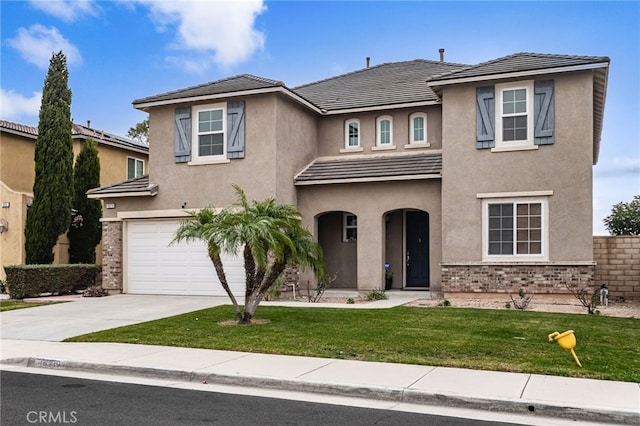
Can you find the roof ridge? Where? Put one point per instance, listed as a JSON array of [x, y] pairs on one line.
[[372, 68]]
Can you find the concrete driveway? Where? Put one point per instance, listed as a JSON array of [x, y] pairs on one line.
[[84, 315]]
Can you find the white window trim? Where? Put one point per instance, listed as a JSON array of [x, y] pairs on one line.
[[345, 215], [389, 145], [412, 141], [135, 165], [514, 145], [346, 134], [542, 257], [208, 159]]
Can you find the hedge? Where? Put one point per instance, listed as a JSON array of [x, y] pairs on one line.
[[33, 280]]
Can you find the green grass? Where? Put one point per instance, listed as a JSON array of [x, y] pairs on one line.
[[484, 339], [10, 305]]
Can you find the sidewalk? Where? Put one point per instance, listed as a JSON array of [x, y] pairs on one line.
[[531, 394]]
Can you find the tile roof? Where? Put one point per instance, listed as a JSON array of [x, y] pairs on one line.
[[371, 168], [523, 61], [82, 132], [129, 188], [385, 84], [237, 83]]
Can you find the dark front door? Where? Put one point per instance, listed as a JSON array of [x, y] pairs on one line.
[[417, 249]]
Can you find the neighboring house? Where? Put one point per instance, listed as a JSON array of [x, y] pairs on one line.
[[454, 177], [120, 158]]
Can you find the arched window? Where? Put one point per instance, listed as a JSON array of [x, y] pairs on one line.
[[418, 128], [384, 131], [352, 133]]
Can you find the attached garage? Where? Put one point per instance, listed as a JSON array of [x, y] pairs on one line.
[[154, 266]]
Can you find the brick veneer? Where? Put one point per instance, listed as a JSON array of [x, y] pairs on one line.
[[112, 256], [618, 265], [501, 277]]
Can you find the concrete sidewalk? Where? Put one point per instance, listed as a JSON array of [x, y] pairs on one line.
[[31, 338], [549, 396]]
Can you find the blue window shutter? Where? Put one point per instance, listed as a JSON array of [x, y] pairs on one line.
[[485, 117], [182, 138], [543, 112], [235, 129]]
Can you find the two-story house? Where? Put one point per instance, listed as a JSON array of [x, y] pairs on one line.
[[120, 158], [452, 177]]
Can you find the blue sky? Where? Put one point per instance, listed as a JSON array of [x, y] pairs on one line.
[[122, 50]]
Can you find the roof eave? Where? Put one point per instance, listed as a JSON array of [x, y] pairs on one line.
[[147, 193], [379, 107], [515, 74], [368, 179], [144, 106]]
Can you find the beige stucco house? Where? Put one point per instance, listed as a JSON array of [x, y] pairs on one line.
[[120, 158], [451, 177]]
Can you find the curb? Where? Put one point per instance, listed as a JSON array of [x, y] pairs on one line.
[[392, 394]]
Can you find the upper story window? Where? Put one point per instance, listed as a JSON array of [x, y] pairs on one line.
[[514, 125], [352, 134], [515, 229], [384, 131], [135, 167], [418, 128], [209, 132]]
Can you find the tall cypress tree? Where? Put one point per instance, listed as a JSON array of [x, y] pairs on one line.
[[50, 214], [85, 231]]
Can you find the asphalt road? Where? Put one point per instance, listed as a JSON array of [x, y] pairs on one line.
[[42, 399]]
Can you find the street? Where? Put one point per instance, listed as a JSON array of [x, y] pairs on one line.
[[44, 399]]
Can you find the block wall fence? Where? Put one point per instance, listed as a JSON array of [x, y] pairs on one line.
[[618, 265]]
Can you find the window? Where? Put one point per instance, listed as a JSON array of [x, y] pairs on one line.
[[515, 122], [209, 132], [515, 229], [349, 228], [384, 131], [352, 134], [135, 167], [418, 128]]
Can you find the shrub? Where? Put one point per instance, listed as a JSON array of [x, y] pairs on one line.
[[34, 280], [350, 301], [376, 295]]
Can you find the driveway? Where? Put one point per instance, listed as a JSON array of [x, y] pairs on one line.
[[88, 314]]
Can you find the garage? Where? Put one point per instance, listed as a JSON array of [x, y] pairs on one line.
[[155, 267]]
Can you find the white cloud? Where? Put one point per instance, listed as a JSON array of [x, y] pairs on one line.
[[38, 43], [67, 10], [13, 105], [211, 32]]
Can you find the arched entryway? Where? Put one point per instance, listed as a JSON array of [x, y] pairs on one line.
[[338, 236]]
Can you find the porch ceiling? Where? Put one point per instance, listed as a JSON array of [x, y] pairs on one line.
[[371, 169]]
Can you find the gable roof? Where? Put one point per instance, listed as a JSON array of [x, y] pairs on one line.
[[537, 64], [389, 84], [371, 169], [79, 132], [520, 62]]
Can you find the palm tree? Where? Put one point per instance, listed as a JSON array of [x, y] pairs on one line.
[[270, 235]]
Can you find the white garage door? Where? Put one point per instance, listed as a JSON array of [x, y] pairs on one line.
[[155, 267]]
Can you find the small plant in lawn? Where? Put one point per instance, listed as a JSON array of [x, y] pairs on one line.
[[323, 284], [507, 305], [350, 301], [376, 295], [445, 302]]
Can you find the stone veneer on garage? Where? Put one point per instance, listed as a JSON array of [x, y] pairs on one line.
[[500, 277], [112, 256]]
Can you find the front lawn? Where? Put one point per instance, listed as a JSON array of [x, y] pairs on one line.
[[10, 305], [484, 339]]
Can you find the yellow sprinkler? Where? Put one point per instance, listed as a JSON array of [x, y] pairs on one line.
[[566, 340]]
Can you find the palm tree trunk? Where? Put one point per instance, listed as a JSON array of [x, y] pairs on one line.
[[217, 264], [253, 300], [249, 271]]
